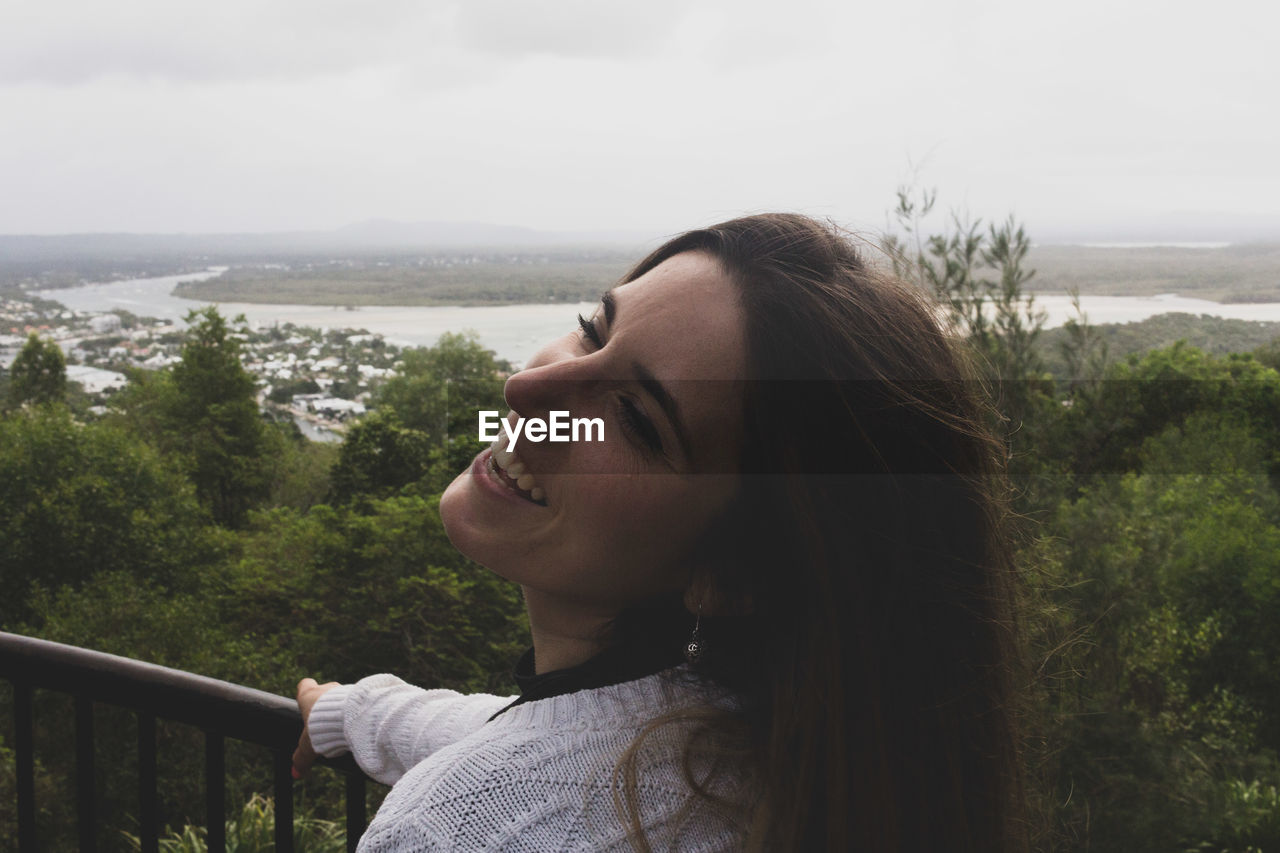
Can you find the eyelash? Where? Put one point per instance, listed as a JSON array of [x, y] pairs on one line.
[[630, 415], [639, 426], [590, 332]]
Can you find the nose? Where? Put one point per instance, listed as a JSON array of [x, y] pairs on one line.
[[555, 379]]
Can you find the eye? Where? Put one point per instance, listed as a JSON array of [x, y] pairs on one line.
[[637, 424], [590, 332]]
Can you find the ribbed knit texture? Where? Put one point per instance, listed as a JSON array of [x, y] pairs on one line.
[[539, 777]]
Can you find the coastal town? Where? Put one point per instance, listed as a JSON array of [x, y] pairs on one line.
[[320, 378]]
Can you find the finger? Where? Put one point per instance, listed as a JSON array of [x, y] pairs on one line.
[[303, 757], [304, 685]]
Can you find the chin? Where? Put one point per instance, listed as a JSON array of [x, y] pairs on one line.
[[467, 529], [453, 509]]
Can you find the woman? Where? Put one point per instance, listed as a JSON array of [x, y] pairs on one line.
[[798, 489]]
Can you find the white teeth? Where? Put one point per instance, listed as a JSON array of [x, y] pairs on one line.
[[513, 467]]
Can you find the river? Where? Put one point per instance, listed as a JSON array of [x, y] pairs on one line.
[[516, 332]]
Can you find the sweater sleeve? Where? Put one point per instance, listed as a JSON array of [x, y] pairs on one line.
[[390, 726]]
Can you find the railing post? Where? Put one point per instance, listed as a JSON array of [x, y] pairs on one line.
[[355, 810], [25, 758], [284, 801], [215, 791], [148, 813], [85, 813]]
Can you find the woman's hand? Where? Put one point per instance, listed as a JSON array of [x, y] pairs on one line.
[[308, 692]]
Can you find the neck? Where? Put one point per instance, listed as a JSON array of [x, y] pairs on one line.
[[564, 634]]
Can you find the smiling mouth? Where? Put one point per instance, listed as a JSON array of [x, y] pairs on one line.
[[522, 483]]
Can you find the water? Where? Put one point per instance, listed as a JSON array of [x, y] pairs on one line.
[[1130, 309], [516, 332], [1158, 245]]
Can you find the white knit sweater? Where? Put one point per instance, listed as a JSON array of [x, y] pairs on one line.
[[539, 777]]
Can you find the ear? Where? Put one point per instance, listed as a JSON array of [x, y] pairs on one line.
[[703, 593], [700, 596]]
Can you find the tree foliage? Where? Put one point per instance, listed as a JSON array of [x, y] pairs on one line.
[[1150, 536], [438, 389], [424, 427], [379, 456], [978, 277], [39, 373], [373, 589], [80, 499], [203, 411], [1169, 575], [138, 536]]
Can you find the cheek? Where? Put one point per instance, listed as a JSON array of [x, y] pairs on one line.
[[653, 519]]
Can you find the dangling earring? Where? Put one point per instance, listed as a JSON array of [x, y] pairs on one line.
[[694, 647]]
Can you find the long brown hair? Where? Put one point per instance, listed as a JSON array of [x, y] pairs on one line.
[[866, 597]]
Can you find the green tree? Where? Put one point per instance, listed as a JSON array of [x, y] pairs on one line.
[[204, 412], [1155, 560], [1000, 321], [1160, 629], [39, 373], [439, 389], [214, 408], [303, 472], [424, 427], [1269, 353], [978, 277], [372, 589], [379, 456], [995, 314], [1082, 348], [77, 499], [1103, 430]]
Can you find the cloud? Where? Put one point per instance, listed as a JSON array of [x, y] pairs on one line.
[[73, 43], [568, 28], [150, 114]]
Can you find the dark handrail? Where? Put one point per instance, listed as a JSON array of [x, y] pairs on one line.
[[220, 708]]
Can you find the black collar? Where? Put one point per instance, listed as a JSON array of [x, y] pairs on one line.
[[612, 666]]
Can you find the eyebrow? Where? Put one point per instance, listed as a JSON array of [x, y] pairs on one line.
[[610, 306], [659, 392], [650, 383]]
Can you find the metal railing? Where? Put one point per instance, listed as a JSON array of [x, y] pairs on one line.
[[219, 708]]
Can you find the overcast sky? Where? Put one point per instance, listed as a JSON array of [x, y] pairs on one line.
[[269, 115]]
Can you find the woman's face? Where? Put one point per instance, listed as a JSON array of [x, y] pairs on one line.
[[610, 523]]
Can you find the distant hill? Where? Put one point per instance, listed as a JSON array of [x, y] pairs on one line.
[[1212, 334], [1244, 272], [67, 259], [372, 233], [1240, 272], [454, 235], [1172, 227]]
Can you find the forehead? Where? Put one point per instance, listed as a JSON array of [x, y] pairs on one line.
[[683, 323], [687, 316]]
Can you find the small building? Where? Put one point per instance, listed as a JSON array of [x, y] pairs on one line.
[[105, 324], [337, 408], [95, 380]]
